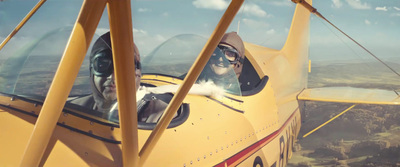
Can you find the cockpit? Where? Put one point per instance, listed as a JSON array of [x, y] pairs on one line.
[[29, 73]]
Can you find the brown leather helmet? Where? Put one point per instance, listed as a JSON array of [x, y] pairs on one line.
[[233, 39], [102, 49]]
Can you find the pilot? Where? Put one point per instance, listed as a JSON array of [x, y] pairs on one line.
[[104, 96], [102, 78], [227, 56]]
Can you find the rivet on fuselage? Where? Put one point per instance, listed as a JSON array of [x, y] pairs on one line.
[[91, 122], [184, 165], [65, 114], [12, 98], [198, 159], [35, 104]]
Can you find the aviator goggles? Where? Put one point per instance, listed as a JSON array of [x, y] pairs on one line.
[[102, 63], [229, 53]]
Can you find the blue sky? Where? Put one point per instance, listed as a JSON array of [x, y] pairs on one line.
[[372, 23]]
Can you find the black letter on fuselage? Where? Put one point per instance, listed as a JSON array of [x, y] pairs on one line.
[[282, 150], [258, 161]]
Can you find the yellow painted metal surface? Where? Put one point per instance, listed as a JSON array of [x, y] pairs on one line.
[[66, 147], [124, 65]]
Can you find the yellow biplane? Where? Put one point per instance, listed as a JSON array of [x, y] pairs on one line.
[[256, 125]]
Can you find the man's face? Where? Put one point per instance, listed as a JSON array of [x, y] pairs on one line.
[[106, 85], [104, 77], [221, 65]]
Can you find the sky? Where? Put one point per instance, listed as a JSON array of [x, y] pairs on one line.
[[373, 23]]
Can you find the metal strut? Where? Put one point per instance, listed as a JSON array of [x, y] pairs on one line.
[[314, 11]]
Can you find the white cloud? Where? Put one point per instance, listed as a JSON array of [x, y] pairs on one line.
[[381, 8], [255, 24], [247, 8], [165, 14], [146, 42], [367, 22], [357, 4], [337, 3], [159, 38], [271, 32], [395, 14], [282, 3], [144, 10], [287, 30], [139, 32], [211, 4], [253, 9], [101, 31], [396, 8]]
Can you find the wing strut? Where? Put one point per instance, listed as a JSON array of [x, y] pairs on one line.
[[63, 81], [22, 23], [320, 126]]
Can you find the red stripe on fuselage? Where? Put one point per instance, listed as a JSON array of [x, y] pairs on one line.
[[247, 152]]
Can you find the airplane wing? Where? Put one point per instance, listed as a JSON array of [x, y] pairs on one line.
[[350, 95]]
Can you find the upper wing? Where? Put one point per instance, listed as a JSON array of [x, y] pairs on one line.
[[350, 95]]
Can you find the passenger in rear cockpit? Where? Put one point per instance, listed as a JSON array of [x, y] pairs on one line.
[[227, 56]]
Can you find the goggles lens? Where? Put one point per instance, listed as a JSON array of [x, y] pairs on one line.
[[229, 53], [102, 64]]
